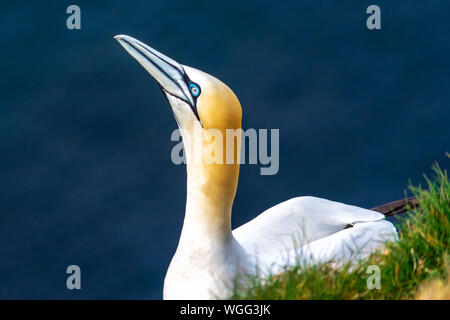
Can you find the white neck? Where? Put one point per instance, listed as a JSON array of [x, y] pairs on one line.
[[204, 217]]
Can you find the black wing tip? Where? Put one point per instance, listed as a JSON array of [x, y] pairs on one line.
[[397, 207]]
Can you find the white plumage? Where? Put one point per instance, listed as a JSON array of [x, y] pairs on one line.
[[210, 256]]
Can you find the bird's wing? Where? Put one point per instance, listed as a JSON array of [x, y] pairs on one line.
[[345, 246], [299, 221]]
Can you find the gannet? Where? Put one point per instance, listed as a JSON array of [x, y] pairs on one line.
[[211, 256]]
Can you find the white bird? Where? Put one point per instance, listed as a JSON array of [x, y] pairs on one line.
[[210, 256]]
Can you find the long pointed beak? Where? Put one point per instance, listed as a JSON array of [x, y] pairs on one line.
[[168, 73]]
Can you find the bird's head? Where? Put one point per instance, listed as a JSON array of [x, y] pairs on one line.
[[195, 97]]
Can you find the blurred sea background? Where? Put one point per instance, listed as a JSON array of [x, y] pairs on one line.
[[85, 170]]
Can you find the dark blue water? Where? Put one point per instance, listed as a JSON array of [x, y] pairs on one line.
[[85, 170]]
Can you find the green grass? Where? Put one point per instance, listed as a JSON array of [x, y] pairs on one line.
[[418, 257]]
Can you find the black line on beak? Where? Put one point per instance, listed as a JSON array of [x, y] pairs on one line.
[[182, 72]]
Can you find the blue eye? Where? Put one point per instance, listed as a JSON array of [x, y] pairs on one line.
[[195, 89]]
